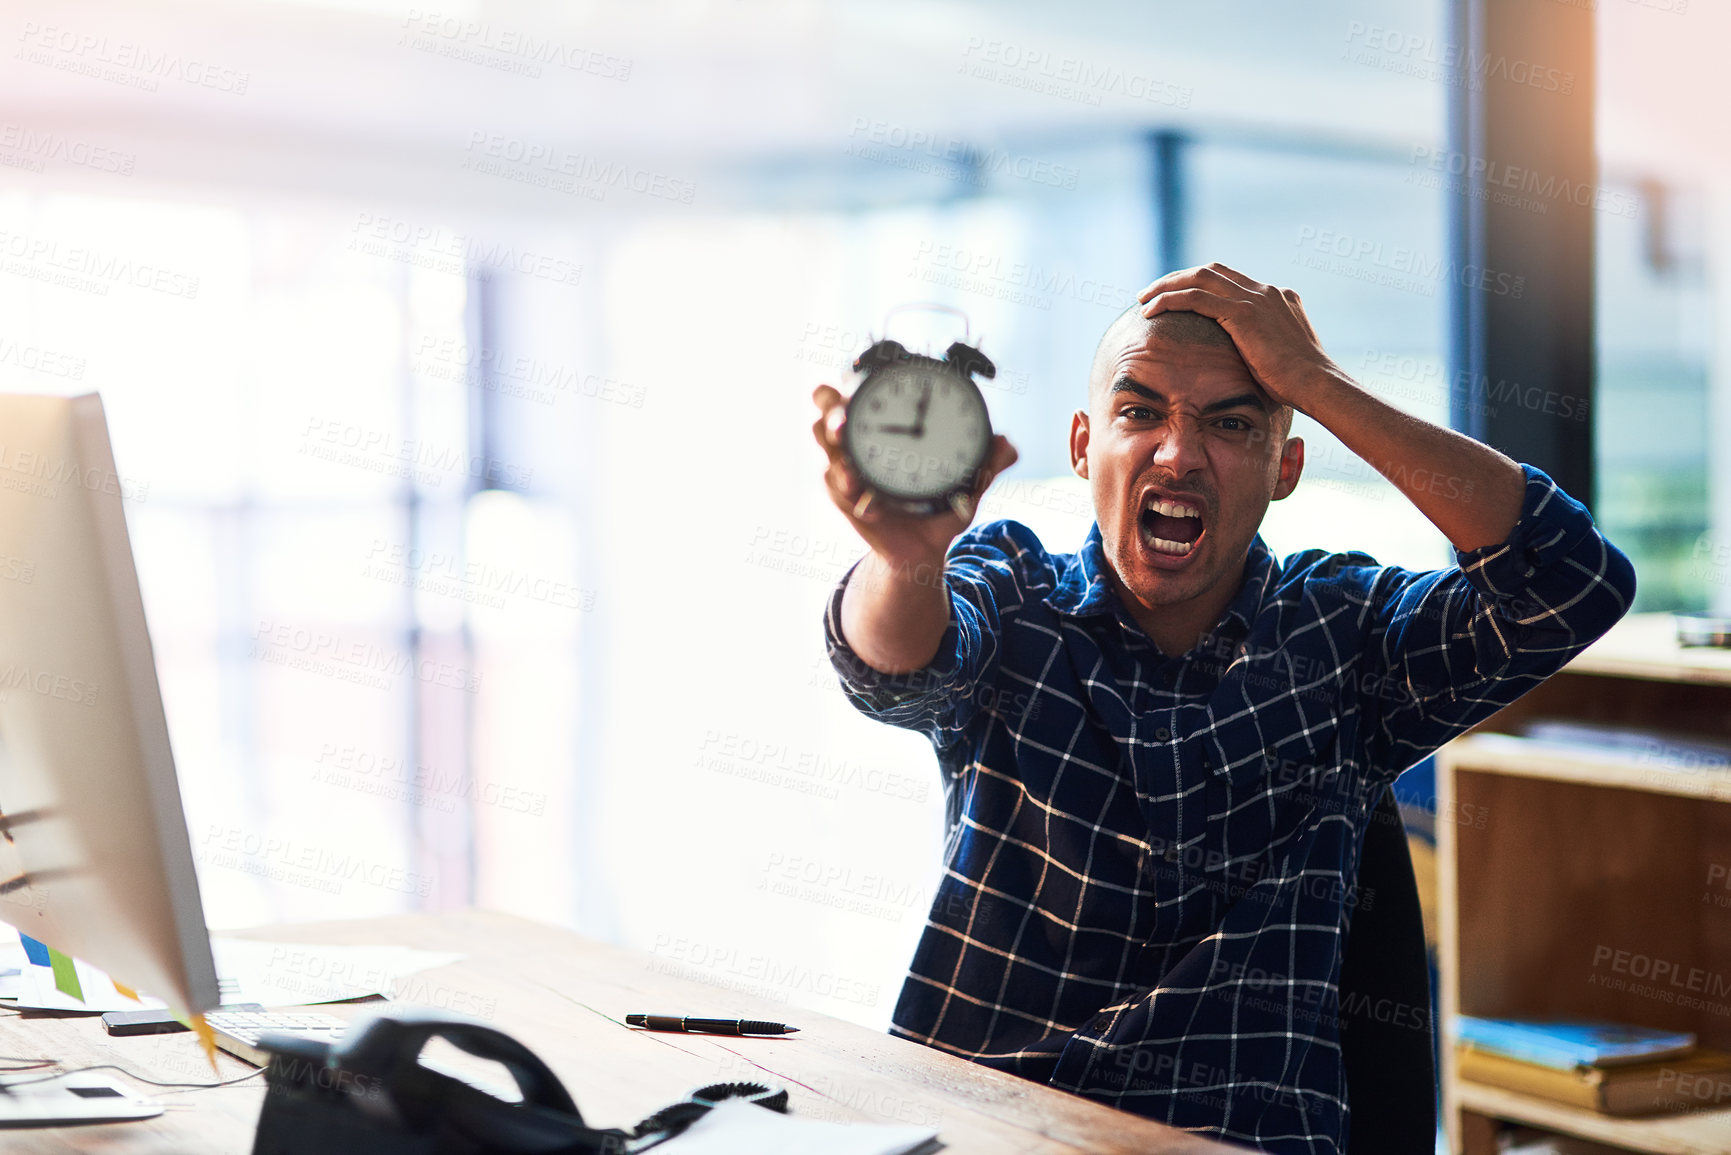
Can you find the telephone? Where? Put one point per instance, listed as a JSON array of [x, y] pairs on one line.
[[369, 1093]]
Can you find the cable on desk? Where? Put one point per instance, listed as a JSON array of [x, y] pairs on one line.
[[185, 1088], [134, 1075]]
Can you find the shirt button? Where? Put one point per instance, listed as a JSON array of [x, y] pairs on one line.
[[1162, 734], [1102, 1022]]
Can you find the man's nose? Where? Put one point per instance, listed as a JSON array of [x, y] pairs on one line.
[[1179, 449]]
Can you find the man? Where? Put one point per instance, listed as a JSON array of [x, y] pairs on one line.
[[1160, 753]]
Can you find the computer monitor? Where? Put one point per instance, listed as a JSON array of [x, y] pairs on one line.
[[95, 860]]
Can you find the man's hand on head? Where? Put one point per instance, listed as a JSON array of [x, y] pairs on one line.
[[1469, 491], [1267, 324]]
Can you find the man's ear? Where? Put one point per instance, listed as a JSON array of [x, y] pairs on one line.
[[1291, 465], [1079, 443]]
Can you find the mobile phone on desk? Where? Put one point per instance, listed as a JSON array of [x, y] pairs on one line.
[[156, 1022]]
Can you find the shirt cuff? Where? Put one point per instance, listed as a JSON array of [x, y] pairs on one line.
[[875, 688], [1552, 527]]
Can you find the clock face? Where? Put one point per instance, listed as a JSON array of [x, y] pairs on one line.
[[917, 430]]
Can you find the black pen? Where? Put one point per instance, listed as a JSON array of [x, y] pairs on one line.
[[708, 1026]]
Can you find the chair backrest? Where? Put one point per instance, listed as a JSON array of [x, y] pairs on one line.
[[1385, 1000]]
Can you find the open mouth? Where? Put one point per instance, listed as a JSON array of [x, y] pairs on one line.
[[1170, 527]]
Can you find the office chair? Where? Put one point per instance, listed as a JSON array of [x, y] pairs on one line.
[[1385, 999]]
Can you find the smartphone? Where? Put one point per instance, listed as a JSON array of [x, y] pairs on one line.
[[157, 1022]]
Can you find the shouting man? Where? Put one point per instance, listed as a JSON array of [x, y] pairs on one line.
[[1160, 753]]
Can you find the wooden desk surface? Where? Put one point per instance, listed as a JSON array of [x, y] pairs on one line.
[[565, 997]]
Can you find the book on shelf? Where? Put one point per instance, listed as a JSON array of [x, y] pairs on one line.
[[1699, 1079], [1659, 748], [1569, 1043]]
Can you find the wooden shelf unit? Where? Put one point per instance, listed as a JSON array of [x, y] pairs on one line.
[[1590, 884]]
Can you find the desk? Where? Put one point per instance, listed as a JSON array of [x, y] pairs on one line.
[[561, 994]]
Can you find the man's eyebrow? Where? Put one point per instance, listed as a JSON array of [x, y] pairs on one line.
[[1125, 385], [1241, 400]]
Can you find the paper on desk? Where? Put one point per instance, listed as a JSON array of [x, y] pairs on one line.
[[736, 1127], [39, 989], [274, 974], [290, 974], [27, 974], [11, 966]]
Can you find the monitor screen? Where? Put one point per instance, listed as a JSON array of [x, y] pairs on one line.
[[94, 860]]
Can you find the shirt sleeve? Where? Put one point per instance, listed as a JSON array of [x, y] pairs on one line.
[[980, 577], [1452, 647]]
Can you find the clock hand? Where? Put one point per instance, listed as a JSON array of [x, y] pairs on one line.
[[920, 411], [909, 429]]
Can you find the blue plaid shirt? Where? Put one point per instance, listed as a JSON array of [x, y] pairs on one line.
[[1150, 862]]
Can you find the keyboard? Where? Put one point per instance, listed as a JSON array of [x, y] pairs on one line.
[[237, 1032]]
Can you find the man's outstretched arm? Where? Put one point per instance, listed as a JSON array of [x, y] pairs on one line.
[[896, 607], [1468, 490]]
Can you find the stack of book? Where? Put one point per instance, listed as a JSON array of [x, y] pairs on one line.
[[1612, 1068]]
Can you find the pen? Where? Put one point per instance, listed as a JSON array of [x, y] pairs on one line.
[[708, 1026]]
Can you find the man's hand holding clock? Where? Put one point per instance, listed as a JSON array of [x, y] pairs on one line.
[[898, 538], [895, 608]]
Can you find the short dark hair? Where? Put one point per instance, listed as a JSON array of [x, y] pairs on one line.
[[1180, 327]]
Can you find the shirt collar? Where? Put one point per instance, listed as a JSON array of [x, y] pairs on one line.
[[1083, 588]]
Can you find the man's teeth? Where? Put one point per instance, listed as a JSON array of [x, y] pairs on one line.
[[1169, 509]]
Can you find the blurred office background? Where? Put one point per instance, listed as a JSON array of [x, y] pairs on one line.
[[458, 362]]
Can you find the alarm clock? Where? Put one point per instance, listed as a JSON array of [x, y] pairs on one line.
[[917, 433]]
